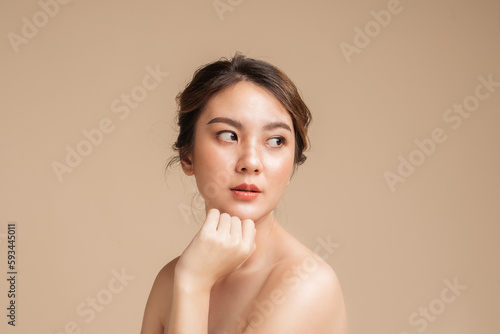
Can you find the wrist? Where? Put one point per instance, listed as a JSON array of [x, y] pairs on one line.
[[191, 283]]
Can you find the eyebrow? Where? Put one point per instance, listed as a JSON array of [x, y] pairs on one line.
[[226, 120], [274, 125], [239, 126]]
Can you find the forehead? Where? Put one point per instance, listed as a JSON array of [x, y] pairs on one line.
[[247, 102]]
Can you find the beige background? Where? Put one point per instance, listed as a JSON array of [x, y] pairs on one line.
[[115, 211]]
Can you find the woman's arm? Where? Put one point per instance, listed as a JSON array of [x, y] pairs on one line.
[[222, 244], [190, 305], [159, 301]]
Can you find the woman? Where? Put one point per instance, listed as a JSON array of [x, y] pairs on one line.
[[243, 131]]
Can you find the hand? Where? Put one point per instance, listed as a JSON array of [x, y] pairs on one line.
[[221, 245]]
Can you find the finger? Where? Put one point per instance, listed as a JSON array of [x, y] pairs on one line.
[[248, 234], [236, 231], [224, 224], [212, 220]]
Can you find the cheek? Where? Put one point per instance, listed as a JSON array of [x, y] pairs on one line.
[[209, 156], [280, 169], [210, 167]]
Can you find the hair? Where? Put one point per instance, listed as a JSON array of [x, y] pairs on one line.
[[212, 78]]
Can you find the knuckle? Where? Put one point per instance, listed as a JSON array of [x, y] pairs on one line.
[[205, 236], [248, 222], [235, 239], [245, 249]]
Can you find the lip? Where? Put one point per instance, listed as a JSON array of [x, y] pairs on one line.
[[246, 191], [247, 187]]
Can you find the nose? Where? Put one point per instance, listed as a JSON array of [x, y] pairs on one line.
[[250, 159]]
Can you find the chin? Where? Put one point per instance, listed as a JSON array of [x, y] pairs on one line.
[[243, 211]]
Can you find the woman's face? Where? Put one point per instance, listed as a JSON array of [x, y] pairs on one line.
[[243, 151]]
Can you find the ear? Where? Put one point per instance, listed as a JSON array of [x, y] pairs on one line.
[[187, 165]]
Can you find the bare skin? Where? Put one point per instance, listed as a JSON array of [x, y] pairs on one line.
[[244, 275]]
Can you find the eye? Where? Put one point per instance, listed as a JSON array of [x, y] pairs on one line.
[[227, 136], [276, 141]]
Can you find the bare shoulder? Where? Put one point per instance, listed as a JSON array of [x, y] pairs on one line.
[[302, 269], [301, 295], [159, 301], [308, 277]]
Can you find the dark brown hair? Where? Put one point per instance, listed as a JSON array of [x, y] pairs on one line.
[[210, 79]]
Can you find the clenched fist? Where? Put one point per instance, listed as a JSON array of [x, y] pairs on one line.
[[221, 245]]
